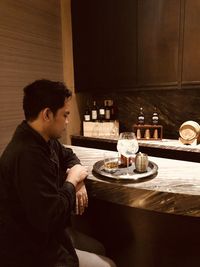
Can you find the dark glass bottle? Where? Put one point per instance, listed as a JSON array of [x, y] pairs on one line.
[[141, 118], [87, 115], [101, 113], [113, 110], [155, 117], [107, 111], [94, 112]]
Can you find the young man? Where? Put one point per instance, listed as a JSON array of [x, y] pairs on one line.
[[41, 184]]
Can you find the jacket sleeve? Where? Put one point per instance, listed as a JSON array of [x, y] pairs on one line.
[[47, 206], [67, 157]]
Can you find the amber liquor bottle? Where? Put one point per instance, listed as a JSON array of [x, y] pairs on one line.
[[94, 112], [141, 118]]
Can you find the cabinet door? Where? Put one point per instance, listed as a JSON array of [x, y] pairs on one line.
[[158, 42], [104, 44], [191, 47]]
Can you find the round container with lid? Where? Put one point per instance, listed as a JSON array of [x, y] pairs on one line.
[[189, 131]]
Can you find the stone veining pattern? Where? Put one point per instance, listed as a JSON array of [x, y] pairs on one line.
[[175, 189]]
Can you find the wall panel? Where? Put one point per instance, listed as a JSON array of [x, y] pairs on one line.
[[30, 48], [191, 51]]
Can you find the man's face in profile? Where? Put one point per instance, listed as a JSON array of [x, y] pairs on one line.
[[59, 121]]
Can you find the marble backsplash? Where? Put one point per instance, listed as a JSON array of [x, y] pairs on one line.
[[174, 107]]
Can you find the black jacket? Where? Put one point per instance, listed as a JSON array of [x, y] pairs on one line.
[[35, 202]]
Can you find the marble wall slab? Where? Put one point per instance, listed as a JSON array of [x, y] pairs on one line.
[[174, 107]]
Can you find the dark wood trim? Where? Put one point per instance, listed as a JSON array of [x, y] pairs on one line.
[[181, 42], [190, 83]]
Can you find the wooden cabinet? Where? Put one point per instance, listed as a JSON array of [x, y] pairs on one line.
[[104, 44], [125, 45], [158, 42], [191, 48]]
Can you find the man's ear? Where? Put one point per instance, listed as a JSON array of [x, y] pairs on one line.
[[47, 114]]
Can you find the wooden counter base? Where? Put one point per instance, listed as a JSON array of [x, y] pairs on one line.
[[141, 238]]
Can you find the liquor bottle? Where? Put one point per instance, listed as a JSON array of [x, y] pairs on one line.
[[141, 116], [107, 111], [113, 111], [155, 117], [87, 115], [101, 113], [94, 112]]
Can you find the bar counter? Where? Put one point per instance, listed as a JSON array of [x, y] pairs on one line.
[[165, 148], [175, 189], [152, 223]]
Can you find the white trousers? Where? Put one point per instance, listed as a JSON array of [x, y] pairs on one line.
[[88, 259], [90, 252]]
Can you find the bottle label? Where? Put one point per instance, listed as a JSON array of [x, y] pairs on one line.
[[87, 117], [155, 119], [140, 118], [107, 114], [94, 115], [102, 111]]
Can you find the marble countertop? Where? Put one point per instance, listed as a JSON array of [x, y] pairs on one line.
[[170, 144], [175, 189]]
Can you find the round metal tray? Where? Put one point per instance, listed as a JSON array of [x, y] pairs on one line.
[[121, 173]]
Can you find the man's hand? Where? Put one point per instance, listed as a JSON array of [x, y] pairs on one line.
[[76, 175], [81, 199]]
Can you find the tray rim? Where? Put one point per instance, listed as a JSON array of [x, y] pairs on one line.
[[135, 177]]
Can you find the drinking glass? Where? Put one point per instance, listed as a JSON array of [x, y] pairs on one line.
[[127, 145]]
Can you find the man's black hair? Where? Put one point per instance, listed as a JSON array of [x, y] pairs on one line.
[[43, 94]]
